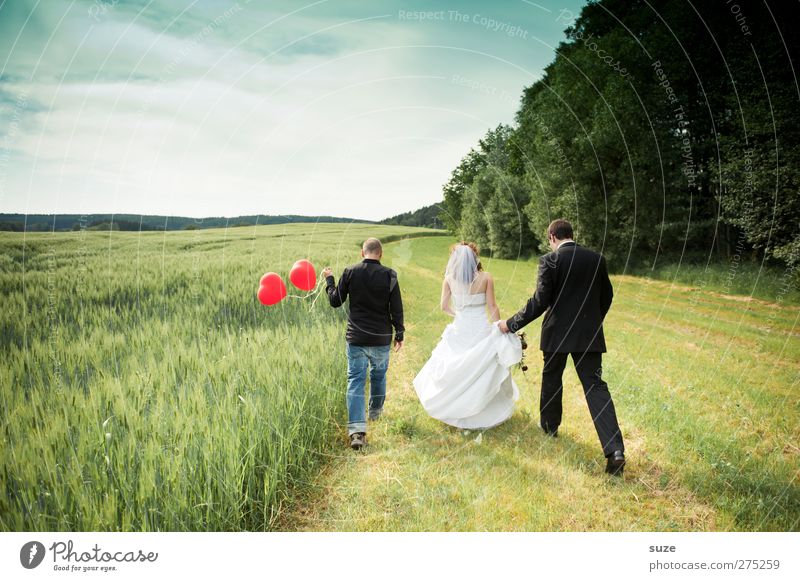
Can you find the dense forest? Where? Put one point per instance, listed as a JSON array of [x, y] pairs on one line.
[[661, 129], [425, 217]]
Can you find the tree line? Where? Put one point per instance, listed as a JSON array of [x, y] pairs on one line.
[[661, 129], [425, 217]]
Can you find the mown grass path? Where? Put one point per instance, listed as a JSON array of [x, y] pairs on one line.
[[705, 386]]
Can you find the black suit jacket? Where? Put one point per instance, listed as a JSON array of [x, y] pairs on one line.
[[574, 293], [376, 305]]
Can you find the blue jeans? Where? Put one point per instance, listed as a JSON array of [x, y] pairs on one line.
[[359, 358]]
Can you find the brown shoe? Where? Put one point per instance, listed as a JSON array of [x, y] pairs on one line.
[[358, 440]]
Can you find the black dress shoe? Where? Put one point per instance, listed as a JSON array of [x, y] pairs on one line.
[[552, 432], [616, 463]]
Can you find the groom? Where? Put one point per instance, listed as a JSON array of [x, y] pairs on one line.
[[375, 308], [574, 293]]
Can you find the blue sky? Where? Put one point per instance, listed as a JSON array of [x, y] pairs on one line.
[[211, 108]]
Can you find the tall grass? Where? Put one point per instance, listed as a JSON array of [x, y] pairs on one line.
[[145, 388]]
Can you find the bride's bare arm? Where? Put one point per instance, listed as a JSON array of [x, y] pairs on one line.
[[446, 299], [491, 303]]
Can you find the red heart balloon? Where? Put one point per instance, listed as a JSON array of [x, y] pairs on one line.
[[272, 289], [303, 275]]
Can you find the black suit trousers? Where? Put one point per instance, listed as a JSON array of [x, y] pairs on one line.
[[589, 367]]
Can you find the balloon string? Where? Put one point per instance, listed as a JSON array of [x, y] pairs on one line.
[[317, 291]]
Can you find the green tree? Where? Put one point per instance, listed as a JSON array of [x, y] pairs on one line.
[[491, 151], [506, 224]]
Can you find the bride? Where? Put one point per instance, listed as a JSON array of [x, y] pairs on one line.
[[467, 381]]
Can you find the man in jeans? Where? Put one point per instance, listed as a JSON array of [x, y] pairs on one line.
[[375, 308]]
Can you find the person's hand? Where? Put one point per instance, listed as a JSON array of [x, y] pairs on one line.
[[327, 271], [397, 346], [504, 327]]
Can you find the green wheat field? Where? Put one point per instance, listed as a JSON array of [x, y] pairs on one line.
[[145, 388]]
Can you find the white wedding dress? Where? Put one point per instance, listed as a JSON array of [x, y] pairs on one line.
[[467, 381]]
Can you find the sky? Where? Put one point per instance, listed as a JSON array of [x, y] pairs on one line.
[[210, 108]]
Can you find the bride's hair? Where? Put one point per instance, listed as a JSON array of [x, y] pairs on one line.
[[474, 248], [462, 267]]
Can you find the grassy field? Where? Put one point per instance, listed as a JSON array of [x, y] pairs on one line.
[[145, 388], [770, 283]]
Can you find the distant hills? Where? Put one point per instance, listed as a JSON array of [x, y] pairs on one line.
[[134, 222], [424, 217]]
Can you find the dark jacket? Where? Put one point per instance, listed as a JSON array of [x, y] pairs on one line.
[[574, 293], [375, 302]]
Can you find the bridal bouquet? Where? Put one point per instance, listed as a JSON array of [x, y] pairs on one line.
[[524, 342]]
